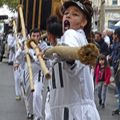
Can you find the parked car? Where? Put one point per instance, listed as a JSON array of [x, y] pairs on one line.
[[2, 46], [3, 32]]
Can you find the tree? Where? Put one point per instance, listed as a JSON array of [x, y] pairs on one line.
[[101, 21], [12, 4]]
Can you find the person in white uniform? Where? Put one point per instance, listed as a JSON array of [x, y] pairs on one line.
[[72, 88], [38, 77], [17, 71], [24, 78], [11, 47], [18, 67], [34, 100]]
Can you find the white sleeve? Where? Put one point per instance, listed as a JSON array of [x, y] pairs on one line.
[[18, 52], [74, 38], [69, 38]]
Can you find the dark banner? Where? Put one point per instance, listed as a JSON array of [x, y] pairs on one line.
[[36, 13], [46, 11]]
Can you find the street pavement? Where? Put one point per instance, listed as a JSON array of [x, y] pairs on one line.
[[10, 109], [111, 104]]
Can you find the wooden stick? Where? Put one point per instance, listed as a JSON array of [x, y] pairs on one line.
[[40, 11], [26, 15], [86, 54], [26, 48], [33, 19], [31, 43], [61, 1]]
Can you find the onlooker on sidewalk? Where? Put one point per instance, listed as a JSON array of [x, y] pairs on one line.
[[102, 44], [115, 56], [106, 37], [102, 78]]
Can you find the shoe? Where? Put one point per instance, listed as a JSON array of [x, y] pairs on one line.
[[103, 105], [10, 63], [100, 102], [116, 112], [30, 116], [18, 98], [38, 119]]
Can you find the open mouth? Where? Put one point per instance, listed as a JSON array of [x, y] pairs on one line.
[[66, 25]]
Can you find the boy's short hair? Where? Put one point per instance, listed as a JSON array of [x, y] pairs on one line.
[[35, 30], [99, 33]]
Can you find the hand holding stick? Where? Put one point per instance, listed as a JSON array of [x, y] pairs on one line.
[[33, 44], [26, 48]]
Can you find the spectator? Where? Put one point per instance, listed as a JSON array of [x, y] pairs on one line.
[[106, 37], [115, 56], [102, 45], [102, 78]]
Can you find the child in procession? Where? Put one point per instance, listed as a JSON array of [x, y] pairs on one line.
[[71, 87]]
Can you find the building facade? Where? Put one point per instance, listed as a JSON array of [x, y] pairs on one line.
[[111, 13]]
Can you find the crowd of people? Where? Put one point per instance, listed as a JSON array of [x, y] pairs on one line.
[[108, 43], [70, 91]]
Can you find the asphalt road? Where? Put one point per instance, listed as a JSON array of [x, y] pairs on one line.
[[10, 109]]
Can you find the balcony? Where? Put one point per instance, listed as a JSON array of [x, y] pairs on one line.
[[113, 8]]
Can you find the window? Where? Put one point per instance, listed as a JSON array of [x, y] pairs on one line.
[[111, 24], [114, 2]]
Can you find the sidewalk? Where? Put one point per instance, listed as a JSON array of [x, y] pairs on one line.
[[112, 84]]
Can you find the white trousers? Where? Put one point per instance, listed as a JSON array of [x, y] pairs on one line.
[[26, 91], [17, 82], [11, 56], [37, 100]]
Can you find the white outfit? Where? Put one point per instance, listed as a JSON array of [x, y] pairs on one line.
[[24, 79], [71, 87], [16, 70], [33, 100], [11, 45], [17, 73], [38, 79], [107, 40]]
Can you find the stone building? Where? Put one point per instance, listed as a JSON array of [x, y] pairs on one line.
[[111, 13]]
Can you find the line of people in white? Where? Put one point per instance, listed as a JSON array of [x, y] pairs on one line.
[[34, 101], [71, 86]]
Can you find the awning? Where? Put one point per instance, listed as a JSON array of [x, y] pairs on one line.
[[117, 24]]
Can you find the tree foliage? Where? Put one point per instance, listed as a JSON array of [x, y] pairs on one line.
[[12, 4]]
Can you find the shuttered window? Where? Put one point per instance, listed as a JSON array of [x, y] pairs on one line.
[[114, 2]]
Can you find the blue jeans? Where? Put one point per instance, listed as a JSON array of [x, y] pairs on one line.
[[102, 90], [118, 89]]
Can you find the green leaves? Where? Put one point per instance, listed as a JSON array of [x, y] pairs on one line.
[[12, 4]]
